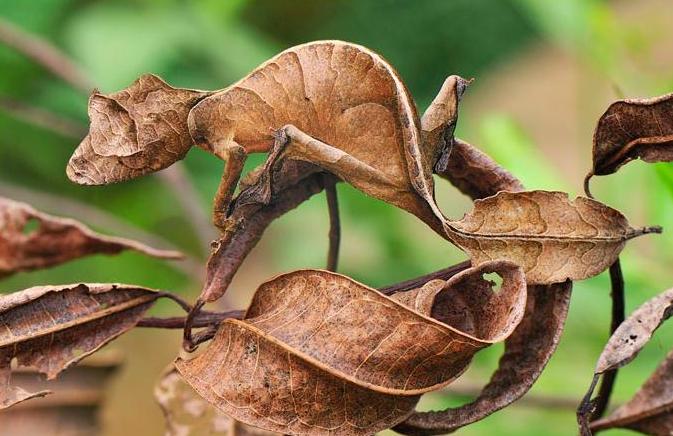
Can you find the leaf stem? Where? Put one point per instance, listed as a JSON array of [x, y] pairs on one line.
[[618, 315], [203, 319], [334, 222], [410, 284]]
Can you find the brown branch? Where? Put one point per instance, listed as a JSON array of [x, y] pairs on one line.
[[44, 54], [204, 319], [540, 401], [334, 221], [443, 274]]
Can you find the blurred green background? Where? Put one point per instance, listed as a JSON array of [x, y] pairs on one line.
[[544, 71]]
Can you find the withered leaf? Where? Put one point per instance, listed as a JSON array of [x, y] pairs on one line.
[[133, 132], [54, 240], [634, 129], [187, 413], [553, 238], [368, 356], [632, 335], [527, 352], [649, 411], [341, 107], [475, 174], [50, 328], [534, 341]]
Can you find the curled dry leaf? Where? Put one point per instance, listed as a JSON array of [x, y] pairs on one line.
[[527, 352], [133, 132], [50, 328], [369, 356], [649, 411], [187, 413], [633, 129], [534, 341], [632, 335], [475, 174], [553, 238], [54, 240]]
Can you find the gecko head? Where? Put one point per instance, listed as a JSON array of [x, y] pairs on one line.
[[139, 130]]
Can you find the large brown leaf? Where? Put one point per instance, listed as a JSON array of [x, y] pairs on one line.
[[187, 413], [344, 95], [368, 356], [133, 132], [50, 328], [53, 240], [649, 411], [553, 238], [634, 129]]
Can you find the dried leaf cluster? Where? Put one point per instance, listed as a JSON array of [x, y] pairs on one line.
[[317, 352]]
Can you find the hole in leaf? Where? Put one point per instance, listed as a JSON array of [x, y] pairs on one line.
[[30, 226], [495, 280]]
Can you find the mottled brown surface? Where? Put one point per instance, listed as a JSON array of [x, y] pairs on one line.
[[528, 349], [313, 329], [527, 352], [552, 237], [649, 411], [634, 129], [189, 414], [50, 328], [54, 240], [475, 174], [133, 132], [635, 332], [345, 96]]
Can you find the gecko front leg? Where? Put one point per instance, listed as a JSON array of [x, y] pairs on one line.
[[235, 156]]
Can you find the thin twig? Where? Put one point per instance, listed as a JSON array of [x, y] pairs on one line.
[[177, 179], [42, 118], [189, 342], [471, 390], [618, 315], [45, 54], [334, 223], [204, 319], [584, 410], [410, 284]]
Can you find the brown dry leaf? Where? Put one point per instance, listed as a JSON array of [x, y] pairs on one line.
[[633, 129], [527, 352], [553, 238], [50, 328], [349, 113], [534, 341], [248, 221], [475, 174], [368, 356], [632, 335], [133, 132], [187, 413], [649, 411], [54, 240]]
